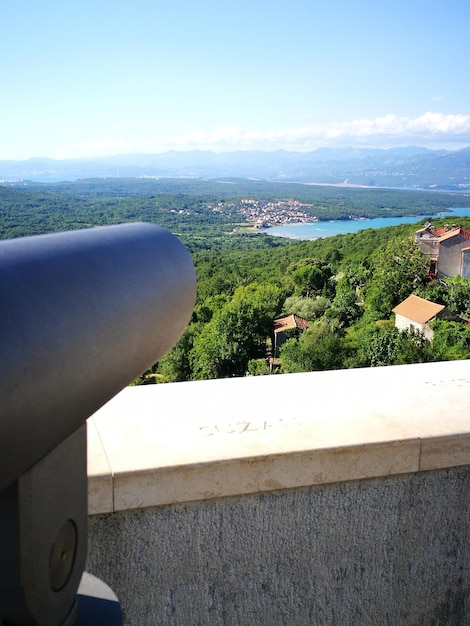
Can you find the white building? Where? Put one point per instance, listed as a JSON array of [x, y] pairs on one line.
[[416, 313]]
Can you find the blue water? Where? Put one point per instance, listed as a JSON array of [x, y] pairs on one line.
[[314, 230]]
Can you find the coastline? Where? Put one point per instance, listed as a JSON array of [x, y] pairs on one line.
[[328, 228]]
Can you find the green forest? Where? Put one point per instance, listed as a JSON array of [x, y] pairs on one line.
[[345, 286]]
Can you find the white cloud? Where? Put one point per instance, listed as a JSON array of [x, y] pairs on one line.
[[432, 130]]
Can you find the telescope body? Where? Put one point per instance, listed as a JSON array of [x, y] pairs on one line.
[[82, 314]]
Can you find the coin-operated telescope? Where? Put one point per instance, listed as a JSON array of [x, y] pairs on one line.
[[82, 314]]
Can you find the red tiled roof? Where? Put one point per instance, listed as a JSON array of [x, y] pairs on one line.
[[449, 234], [290, 321], [434, 231], [444, 232], [464, 232], [418, 309]]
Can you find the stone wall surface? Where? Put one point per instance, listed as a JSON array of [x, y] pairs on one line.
[[385, 551]]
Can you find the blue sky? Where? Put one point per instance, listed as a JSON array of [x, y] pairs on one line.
[[99, 77]]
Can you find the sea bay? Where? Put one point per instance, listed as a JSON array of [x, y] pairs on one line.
[[316, 230]]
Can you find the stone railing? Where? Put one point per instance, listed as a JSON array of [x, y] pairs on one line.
[[337, 498]]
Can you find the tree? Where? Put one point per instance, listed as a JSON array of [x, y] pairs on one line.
[[357, 276], [318, 348], [457, 295], [345, 308], [236, 334], [434, 291], [382, 344], [205, 311], [308, 308], [210, 356], [310, 277], [400, 268], [453, 292], [258, 367], [175, 366], [451, 340]]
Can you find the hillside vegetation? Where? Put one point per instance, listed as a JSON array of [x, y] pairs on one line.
[[346, 286], [195, 207]]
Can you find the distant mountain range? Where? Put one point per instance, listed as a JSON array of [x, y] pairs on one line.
[[409, 167]]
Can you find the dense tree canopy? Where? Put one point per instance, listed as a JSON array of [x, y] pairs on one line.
[[237, 333], [318, 348], [346, 286], [399, 269]]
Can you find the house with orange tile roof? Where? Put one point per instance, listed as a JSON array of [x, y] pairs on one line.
[[447, 248], [416, 314], [284, 324], [454, 254]]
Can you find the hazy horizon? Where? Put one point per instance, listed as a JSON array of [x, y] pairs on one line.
[[234, 151]]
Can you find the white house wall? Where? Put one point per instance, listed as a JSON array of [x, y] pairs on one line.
[[404, 323]]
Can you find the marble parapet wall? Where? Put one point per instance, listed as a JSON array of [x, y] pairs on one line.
[[162, 444], [306, 499]]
